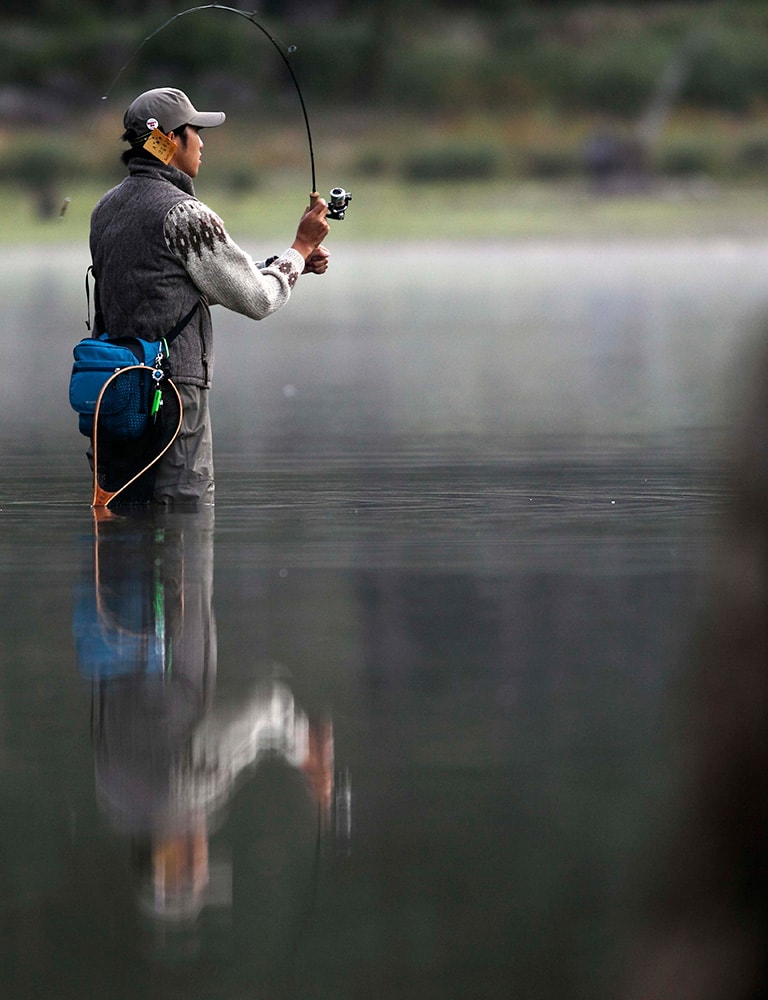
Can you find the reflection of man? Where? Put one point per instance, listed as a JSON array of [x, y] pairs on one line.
[[146, 637], [166, 762], [200, 774]]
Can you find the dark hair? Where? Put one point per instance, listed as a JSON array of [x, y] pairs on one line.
[[136, 149]]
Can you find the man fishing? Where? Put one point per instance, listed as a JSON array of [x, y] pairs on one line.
[[161, 258]]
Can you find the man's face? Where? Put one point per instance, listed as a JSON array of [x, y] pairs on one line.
[[188, 155]]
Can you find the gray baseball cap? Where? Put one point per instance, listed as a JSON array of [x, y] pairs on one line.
[[167, 109]]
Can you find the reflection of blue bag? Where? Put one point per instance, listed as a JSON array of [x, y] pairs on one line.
[[119, 619], [126, 412], [108, 648]]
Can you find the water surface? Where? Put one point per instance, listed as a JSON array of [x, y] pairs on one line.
[[465, 501]]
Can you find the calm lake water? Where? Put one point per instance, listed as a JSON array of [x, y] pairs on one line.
[[396, 721]]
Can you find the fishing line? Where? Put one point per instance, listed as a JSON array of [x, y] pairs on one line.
[[282, 50], [339, 197]]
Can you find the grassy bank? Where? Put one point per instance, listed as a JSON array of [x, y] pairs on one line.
[[399, 171], [388, 210]]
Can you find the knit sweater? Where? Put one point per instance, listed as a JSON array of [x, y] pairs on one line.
[[157, 250]]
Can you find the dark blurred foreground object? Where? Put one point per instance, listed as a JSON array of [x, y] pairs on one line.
[[707, 927]]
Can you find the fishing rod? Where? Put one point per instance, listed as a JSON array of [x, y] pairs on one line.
[[339, 198]]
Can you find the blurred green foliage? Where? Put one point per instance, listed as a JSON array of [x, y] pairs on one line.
[[423, 54], [468, 161]]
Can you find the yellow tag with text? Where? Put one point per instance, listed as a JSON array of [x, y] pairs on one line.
[[159, 145]]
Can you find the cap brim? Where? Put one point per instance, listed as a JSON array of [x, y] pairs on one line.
[[207, 119]]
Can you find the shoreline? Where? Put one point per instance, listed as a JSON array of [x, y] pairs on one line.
[[389, 213]]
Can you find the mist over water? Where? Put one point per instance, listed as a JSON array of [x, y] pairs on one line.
[[465, 501], [435, 343]]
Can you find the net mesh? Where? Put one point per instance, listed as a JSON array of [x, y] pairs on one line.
[[126, 404], [120, 457]]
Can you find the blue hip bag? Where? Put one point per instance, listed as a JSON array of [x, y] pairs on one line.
[[127, 409]]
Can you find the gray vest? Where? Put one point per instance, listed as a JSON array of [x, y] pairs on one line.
[[142, 288]]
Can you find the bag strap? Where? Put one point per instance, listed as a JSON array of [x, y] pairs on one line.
[[173, 334], [89, 271]]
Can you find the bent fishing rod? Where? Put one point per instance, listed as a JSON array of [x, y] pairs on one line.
[[338, 199]]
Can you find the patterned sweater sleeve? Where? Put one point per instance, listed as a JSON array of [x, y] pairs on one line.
[[223, 272]]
